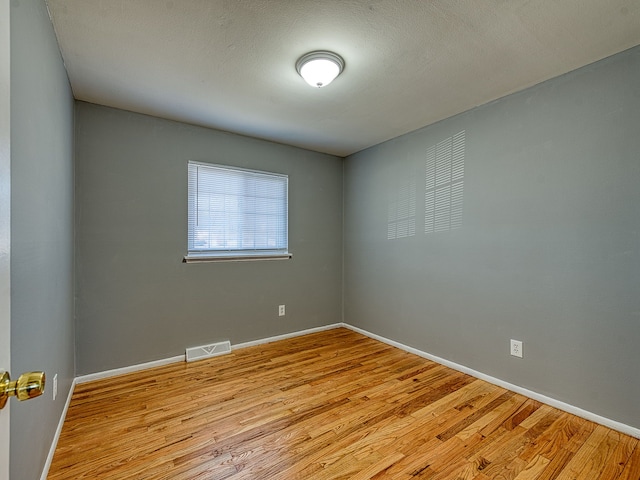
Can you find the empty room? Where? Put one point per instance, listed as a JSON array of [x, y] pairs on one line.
[[380, 239]]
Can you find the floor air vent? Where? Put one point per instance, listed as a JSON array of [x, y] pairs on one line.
[[208, 351]]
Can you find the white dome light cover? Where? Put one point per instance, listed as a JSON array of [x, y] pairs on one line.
[[319, 68]]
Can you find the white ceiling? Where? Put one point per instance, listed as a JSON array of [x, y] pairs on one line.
[[230, 64]]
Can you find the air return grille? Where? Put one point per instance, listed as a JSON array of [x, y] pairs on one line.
[[208, 351]]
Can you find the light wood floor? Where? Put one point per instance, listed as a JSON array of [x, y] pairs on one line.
[[329, 405]]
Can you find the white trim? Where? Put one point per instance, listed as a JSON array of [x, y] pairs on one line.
[[234, 257], [133, 368], [299, 333], [607, 422], [5, 220], [231, 168], [56, 436]]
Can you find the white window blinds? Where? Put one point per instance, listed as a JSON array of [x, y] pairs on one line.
[[236, 212]]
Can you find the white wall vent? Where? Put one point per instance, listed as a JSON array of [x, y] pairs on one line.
[[208, 351]]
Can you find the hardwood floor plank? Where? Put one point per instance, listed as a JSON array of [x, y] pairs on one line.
[[582, 460], [557, 464], [329, 405], [564, 433], [375, 468], [621, 446], [534, 469], [475, 417], [632, 467]]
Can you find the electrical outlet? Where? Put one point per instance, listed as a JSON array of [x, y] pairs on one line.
[[281, 310], [516, 348], [55, 386]]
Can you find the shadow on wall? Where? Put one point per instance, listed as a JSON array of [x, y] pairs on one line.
[[443, 192]]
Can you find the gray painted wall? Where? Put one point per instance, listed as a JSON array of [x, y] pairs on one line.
[[42, 326], [549, 249], [135, 300]]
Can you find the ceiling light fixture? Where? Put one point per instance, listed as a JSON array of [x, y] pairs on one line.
[[319, 68]]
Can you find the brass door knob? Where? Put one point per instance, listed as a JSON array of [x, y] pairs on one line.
[[28, 385]]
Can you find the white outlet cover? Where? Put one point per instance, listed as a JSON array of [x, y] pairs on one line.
[[281, 311], [516, 348], [55, 386]]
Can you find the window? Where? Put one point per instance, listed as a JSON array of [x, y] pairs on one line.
[[236, 214]]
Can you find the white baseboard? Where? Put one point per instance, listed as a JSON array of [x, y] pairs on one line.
[[133, 368], [286, 335], [607, 422], [56, 436]]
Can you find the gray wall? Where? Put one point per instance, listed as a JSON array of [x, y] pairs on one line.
[[42, 326], [549, 249], [135, 300]]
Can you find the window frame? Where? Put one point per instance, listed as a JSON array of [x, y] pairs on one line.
[[235, 254]]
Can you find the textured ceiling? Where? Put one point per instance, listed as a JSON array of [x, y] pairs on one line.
[[230, 64]]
